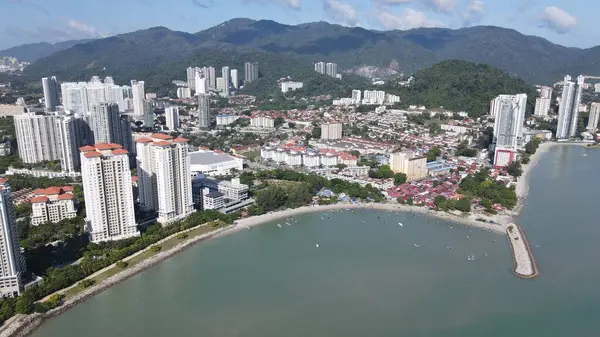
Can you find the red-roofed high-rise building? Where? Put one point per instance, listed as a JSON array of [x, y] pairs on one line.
[[108, 192], [52, 204], [164, 185]]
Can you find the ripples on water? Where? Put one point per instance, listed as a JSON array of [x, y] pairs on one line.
[[367, 278]]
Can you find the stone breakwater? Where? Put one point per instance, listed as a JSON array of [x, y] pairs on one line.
[[523, 262], [26, 324]]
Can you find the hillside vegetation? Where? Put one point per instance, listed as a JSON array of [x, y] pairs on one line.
[[462, 86], [135, 54]]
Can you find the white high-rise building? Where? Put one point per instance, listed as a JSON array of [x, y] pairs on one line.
[[137, 91], [331, 131], [211, 76], [262, 122], [542, 106], [374, 97], [12, 262], [108, 192], [81, 97], [37, 139], [50, 86], [331, 69], [204, 111], [200, 84], [191, 77], [320, 67], [108, 127], [184, 93], [568, 111], [235, 80], [73, 133], [542, 103], [250, 72], [592, 125], [509, 114], [546, 92], [509, 119], [226, 81], [356, 96], [172, 118], [165, 184]]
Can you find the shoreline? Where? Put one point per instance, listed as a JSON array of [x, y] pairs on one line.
[[26, 324], [244, 224]]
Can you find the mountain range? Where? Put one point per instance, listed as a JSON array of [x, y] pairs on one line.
[[34, 51], [146, 52]]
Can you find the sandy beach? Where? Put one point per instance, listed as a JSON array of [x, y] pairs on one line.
[[250, 222]]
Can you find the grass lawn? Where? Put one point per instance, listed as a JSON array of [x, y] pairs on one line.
[[141, 257]]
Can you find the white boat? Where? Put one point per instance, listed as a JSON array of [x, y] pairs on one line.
[[317, 245], [400, 223], [279, 225], [417, 245], [585, 154]]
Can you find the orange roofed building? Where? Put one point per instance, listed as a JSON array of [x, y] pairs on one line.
[[164, 177], [52, 204], [108, 192]]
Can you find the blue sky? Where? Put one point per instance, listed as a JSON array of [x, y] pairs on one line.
[[560, 21]]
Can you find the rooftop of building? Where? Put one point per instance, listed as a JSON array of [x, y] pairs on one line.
[[54, 192], [214, 194], [206, 157], [101, 149]]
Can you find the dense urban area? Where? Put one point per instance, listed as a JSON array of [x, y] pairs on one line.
[[96, 171]]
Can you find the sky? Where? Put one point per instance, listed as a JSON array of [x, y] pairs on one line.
[[28, 21]]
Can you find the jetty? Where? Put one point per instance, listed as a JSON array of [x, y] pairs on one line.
[[523, 262]]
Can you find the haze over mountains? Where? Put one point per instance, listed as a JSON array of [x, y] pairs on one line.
[[533, 58]]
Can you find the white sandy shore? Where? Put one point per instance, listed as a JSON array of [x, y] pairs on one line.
[[260, 219]]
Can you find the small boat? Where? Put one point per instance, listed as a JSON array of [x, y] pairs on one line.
[[400, 223], [279, 225], [467, 236], [248, 227], [317, 245], [585, 154], [448, 247], [417, 245]]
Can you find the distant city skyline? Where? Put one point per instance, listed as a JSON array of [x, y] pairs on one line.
[[558, 21]]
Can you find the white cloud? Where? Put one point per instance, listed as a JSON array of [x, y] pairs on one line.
[[293, 4], [474, 12], [407, 19], [446, 6], [392, 2], [340, 12], [81, 29], [54, 31], [558, 20]]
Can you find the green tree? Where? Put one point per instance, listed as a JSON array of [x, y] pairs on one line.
[[316, 132], [433, 153], [463, 205], [514, 169], [399, 179], [25, 302], [278, 121], [440, 201], [341, 166]]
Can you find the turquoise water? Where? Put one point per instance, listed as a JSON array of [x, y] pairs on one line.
[[368, 279]]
